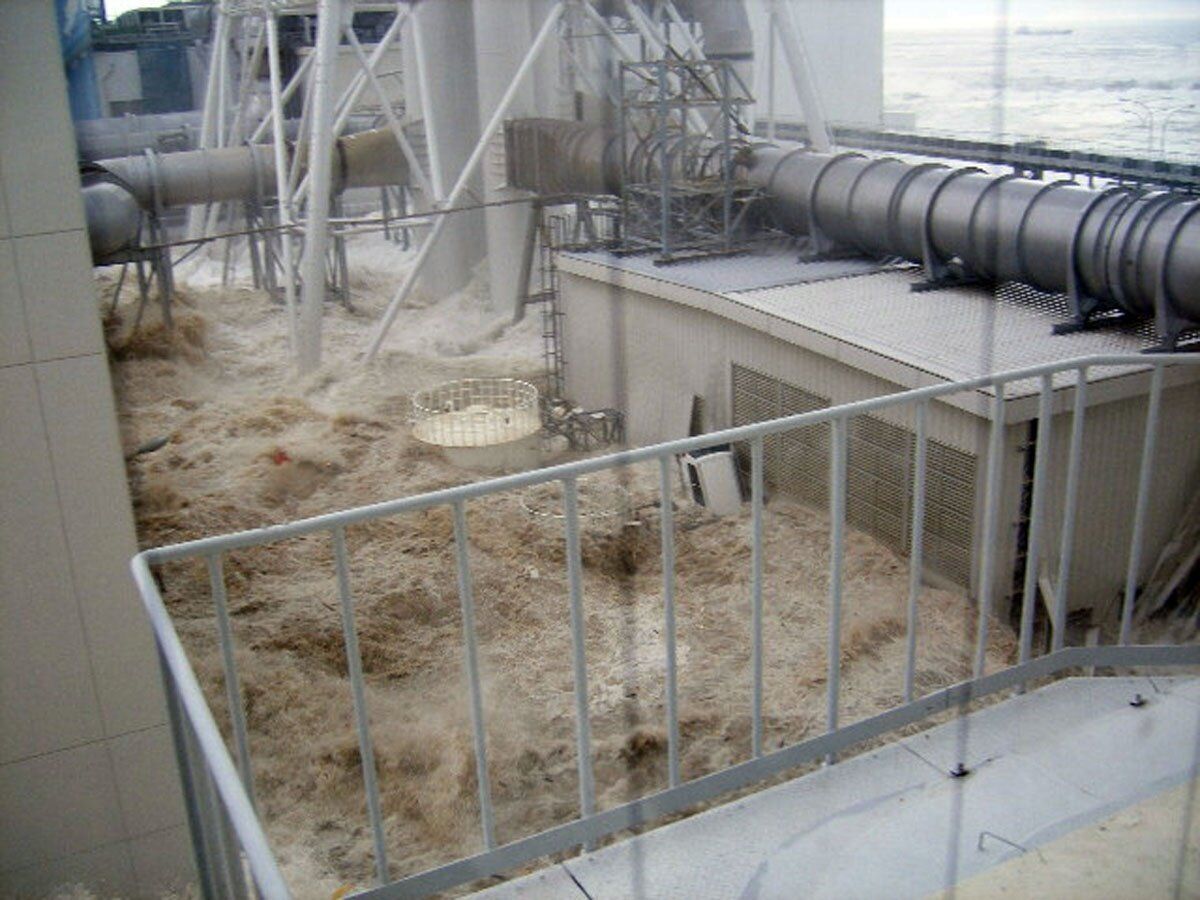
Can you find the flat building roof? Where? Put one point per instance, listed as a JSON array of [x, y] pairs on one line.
[[867, 315]]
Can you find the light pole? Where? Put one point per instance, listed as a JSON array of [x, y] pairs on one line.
[[1147, 120], [1167, 116]]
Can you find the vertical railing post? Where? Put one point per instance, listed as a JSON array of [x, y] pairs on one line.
[[187, 777], [583, 728], [361, 718], [756, 600], [235, 873], [233, 689], [1145, 475], [991, 527], [667, 526], [208, 808], [1067, 541], [916, 546], [1037, 510], [471, 656], [837, 548]]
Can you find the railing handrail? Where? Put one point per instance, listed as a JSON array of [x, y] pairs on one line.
[[200, 743], [265, 871], [572, 470]]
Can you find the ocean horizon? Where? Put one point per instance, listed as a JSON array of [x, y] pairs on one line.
[[1124, 87]]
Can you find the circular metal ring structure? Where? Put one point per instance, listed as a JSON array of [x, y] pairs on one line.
[[480, 422]]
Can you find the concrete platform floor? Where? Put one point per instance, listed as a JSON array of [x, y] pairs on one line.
[[1061, 780]]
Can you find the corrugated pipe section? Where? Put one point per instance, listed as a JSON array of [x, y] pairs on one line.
[[1118, 248], [117, 190]]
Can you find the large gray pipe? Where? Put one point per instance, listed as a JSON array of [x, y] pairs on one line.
[[120, 188], [1119, 248]]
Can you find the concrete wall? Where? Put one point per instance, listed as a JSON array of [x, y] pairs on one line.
[[616, 340], [844, 40], [648, 357], [88, 791], [119, 78]]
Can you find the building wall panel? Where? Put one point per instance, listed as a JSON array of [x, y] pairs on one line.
[[85, 769], [633, 351]]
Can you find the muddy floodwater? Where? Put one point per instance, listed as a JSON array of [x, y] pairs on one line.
[[247, 445]]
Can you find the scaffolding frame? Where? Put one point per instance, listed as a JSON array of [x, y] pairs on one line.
[[679, 124]]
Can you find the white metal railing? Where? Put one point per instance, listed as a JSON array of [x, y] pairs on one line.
[[229, 840]]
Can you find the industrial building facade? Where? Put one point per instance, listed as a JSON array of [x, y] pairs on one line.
[[88, 786], [835, 333]]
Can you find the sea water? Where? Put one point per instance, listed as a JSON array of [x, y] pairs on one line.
[[1120, 88]]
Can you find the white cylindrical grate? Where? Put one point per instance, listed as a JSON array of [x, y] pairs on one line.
[[476, 412]]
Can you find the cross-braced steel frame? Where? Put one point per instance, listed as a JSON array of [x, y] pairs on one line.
[[681, 120]]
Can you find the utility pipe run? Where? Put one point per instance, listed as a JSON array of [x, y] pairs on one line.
[[1118, 248], [122, 187], [1122, 249]]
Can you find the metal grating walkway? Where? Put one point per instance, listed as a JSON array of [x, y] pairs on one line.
[[892, 823]]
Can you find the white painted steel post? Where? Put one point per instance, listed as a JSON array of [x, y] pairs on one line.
[[233, 688], [583, 727], [414, 164], [667, 527], [916, 553], [362, 720], [756, 598], [1037, 512], [250, 63], [837, 549], [285, 95], [212, 211], [802, 77], [661, 50], [688, 38], [471, 662], [283, 201], [350, 96], [302, 137], [460, 185], [1145, 476], [1067, 543], [358, 83], [320, 168], [431, 135], [197, 215], [991, 525]]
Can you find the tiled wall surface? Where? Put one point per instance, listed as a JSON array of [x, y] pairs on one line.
[[88, 792]]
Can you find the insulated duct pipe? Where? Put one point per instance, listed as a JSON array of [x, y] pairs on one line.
[[118, 189], [1119, 248]]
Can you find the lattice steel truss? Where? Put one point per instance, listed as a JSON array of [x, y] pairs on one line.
[[681, 125]]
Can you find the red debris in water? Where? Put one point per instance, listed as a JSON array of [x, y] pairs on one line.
[[279, 457]]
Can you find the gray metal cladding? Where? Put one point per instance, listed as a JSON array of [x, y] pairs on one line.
[[879, 461]]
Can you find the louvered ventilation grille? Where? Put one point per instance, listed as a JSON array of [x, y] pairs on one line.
[[879, 466]]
